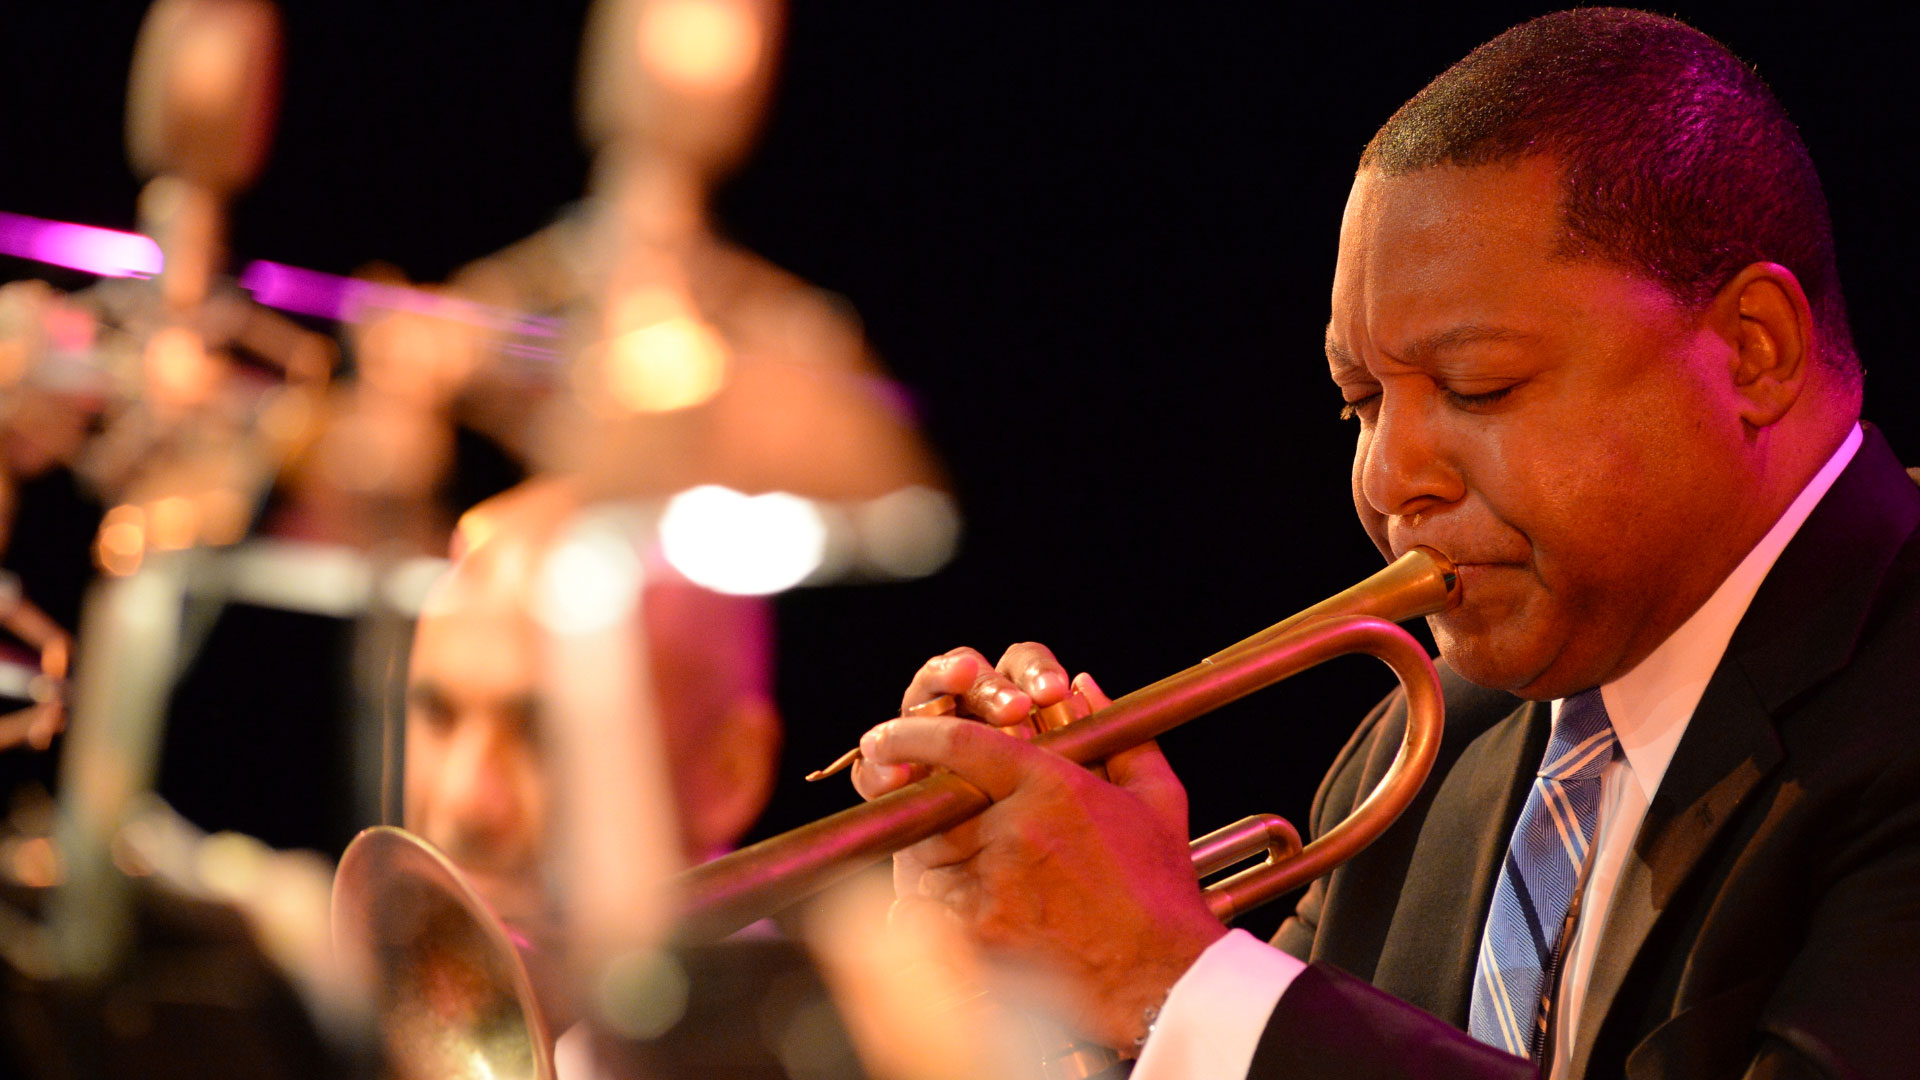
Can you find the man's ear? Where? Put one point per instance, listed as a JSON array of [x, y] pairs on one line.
[[1764, 315], [735, 767]]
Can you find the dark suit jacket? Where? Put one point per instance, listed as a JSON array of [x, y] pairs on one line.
[[1767, 922]]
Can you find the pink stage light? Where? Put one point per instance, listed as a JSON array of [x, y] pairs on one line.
[[112, 253], [343, 299], [106, 252]]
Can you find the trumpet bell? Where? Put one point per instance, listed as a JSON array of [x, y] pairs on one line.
[[452, 991]]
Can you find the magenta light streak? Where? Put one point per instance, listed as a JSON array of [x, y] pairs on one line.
[[343, 299], [106, 252], [303, 292], [111, 253]]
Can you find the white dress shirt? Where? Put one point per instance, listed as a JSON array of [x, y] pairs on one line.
[[1213, 1018]]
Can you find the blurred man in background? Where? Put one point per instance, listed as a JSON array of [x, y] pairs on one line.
[[477, 784]]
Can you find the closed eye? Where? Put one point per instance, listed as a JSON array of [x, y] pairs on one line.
[[1477, 401], [1357, 408]]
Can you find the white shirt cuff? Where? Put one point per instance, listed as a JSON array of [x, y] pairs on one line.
[[1212, 1019]]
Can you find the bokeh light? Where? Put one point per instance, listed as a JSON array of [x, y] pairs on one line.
[[748, 545], [178, 369], [700, 46], [122, 540], [675, 363], [590, 581], [106, 252], [909, 533], [172, 522]]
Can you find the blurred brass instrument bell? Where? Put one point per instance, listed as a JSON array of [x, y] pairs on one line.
[[456, 997], [455, 1001]]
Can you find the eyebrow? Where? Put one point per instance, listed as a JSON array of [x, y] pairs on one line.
[[427, 694], [431, 695], [1424, 349]]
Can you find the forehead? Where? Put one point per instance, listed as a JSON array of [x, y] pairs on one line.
[[1446, 245], [1508, 206], [479, 654]]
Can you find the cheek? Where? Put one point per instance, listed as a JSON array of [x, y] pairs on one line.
[[424, 760], [533, 786], [1599, 509], [1558, 476]]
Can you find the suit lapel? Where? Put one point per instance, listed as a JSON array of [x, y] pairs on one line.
[[1455, 862], [1800, 628], [1730, 745]]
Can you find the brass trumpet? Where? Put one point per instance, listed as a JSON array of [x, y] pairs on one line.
[[384, 896], [735, 890]]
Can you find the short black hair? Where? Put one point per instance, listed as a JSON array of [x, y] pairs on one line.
[[1676, 161]]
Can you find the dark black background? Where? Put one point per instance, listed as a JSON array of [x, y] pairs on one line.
[[1094, 240]]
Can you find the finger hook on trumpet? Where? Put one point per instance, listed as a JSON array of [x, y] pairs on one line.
[[1041, 719]]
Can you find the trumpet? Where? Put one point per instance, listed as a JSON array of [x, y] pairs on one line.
[[405, 908], [745, 886]]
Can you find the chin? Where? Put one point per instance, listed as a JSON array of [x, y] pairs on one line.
[[1484, 659], [516, 902]]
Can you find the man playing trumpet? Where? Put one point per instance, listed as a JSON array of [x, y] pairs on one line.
[[1587, 321]]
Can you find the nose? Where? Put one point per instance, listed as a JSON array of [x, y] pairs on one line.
[[483, 811], [1400, 464]]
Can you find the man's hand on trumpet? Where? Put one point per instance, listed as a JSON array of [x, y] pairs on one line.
[[1091, 877]]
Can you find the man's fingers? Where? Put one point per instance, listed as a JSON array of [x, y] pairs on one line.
[[996, 699], [920, 919], [949, 673], [984, 693], [1032, 668], [1027, 677], [1143, 771], [957, 887], [987, 758], [872, 780], [957, 845], [1091, 691]]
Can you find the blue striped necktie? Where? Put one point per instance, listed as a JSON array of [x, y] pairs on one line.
[[1543, 865]]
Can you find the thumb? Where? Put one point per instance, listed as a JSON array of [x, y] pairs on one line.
[[1142, 770], [1144, 773], [1090, 690]]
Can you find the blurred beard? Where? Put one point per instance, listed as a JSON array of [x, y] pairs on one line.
[[513, 887]]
